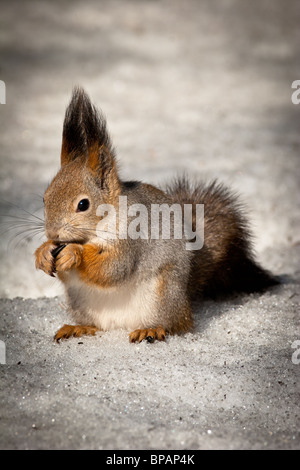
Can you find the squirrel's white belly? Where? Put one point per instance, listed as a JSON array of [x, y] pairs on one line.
[[130, 306]]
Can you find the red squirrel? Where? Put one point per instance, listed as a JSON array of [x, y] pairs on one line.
[[140, 283]]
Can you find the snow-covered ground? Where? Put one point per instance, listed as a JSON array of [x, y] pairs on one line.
[[202, 87]]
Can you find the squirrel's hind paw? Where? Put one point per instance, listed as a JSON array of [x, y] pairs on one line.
[[67, 331], [150, 334]]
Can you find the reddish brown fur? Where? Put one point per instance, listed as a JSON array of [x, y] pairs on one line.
[[94, 266]]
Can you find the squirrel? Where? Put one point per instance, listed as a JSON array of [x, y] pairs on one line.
[[141, 284]]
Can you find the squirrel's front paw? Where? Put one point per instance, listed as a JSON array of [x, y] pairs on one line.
[[68, 258], [44, 259]]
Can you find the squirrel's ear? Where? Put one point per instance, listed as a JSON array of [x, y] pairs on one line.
[[73, 137], [102, 164]]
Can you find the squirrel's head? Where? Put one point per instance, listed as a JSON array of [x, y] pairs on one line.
[[87, 178]]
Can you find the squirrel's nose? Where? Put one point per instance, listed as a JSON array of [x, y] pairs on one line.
[[52, 233]]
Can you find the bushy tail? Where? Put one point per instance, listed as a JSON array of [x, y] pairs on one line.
[[225, 264]]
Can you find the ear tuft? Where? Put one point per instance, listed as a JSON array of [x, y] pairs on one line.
[[84, 129], [73, 139]]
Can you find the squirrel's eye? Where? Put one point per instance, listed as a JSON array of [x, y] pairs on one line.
[[83, 205]]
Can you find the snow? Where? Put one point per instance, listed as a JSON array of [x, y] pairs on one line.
[[230, 384]]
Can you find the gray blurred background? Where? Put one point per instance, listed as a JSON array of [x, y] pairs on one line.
[[198, 86]]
